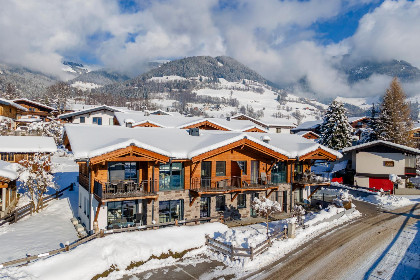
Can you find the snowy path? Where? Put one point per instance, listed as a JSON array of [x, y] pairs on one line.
[[49, 229], [371, 248]]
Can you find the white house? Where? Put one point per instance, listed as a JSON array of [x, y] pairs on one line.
[[373, 162], [100, 115]]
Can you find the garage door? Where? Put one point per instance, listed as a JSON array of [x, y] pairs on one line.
[[379, 183]]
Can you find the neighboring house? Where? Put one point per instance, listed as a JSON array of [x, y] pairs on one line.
[[308, 135], [10, 109], [415, 134], [313, 126], [358, 122], [373, 162], [99, 115], [34, 109], [17, 148], [8, 195], [139, 119], [273, 125], [158, 175]]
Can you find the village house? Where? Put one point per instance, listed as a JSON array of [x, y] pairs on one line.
[[99, 115], [17, 148], [8, 195], [272, 125], [10, 109], [156, 175], [372, 163], [415, 134], [308, 135], [34, 109], [139, 119]]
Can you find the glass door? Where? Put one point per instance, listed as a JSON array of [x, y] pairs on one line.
[[206, 174], [205, 207]]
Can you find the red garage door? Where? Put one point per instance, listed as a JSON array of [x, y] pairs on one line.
[[379, 183]]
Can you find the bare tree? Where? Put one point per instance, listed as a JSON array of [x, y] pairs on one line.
[[265, 208]]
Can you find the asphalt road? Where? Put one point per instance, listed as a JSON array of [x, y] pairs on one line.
[[332, 255]]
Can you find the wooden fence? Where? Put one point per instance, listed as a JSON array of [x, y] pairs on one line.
[[100, 234], [28, 209], [251, 252]]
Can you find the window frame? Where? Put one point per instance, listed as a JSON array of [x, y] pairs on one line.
[[241, 196], [218, 173], [82, 119]]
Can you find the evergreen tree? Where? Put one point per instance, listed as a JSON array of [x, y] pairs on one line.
[[394, 123], [336, 130]]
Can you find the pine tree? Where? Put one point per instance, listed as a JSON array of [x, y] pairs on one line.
[[336, 130], [394, 123]]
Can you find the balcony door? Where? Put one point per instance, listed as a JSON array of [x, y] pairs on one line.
[[255, 171], [122, 171], [206, 174]]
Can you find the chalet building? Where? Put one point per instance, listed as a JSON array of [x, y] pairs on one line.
[[34, 109], [17, 148], [372, 163], [156, 175], [272, 125], [313, 126], [308, 135], [138, 119], [359, 122], [99, 115], [415, 134], [8, 196], [10, 109]]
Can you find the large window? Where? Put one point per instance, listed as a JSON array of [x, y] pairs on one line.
[[241, 200], [8, 156], [171, 210], [171, 176], [278, 173], [97, 120], [121, 213], [220, 168], [122, 171], [220, 203]]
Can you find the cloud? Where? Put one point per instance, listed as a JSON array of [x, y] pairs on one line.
[[276, 38]]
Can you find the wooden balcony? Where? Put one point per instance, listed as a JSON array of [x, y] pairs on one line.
[[84, 181], [230, 185], [309, 179], [125, 190]]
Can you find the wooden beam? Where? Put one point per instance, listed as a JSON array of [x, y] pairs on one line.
[[193, 200], [195, 167], [97, 211], [234, 197], [314, 192], [271, 191]]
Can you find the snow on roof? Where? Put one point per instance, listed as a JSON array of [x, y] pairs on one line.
[[8, 170], [301, 133], [309, 125], [27, 144], [355, 119], [104, 139], [13, 104], [381, 142], [278, 122], [89, 110], [34, 102]]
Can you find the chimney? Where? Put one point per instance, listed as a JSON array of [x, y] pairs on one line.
[[228, 119], [194, 131]]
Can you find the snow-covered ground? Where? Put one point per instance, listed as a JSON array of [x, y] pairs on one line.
[[388, 202], [49, 229], [120, 250]]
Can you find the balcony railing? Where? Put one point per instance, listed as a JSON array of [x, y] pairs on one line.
[[309, 178], [230, 183], [125, 189], [84, 181]]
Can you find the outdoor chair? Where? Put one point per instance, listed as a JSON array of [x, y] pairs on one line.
[[120, 187], [263, 178]]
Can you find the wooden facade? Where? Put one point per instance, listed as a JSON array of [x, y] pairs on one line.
[[8, 111], [34, 109]]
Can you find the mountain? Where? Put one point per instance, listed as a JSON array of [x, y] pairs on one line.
[[28, 83], [100, 77], [394, 68], [75, 69]]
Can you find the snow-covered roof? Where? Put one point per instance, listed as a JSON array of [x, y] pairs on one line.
[[301, 133], [381, 142], [278, 122], [89, 110], [355, 119], [8, 170], [309, 125], [34, 102], [13, 104], [27, 144], [176, 143]]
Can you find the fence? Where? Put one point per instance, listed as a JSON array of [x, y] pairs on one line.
[[251, 252], [100, 234], [28, 209]]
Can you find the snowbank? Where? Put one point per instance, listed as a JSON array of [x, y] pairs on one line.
[[120, 250]]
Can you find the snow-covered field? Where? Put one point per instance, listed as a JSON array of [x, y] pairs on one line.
[[120, 250], [51, 228]]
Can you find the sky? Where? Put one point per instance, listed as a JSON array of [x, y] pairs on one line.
[[282, 40]]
